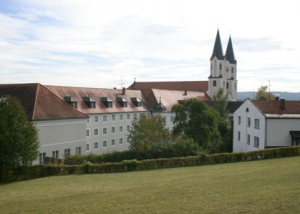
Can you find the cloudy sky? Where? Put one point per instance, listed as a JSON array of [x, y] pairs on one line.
[[109, 43]]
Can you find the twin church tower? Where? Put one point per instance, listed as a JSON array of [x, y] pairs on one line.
[[223, 70]]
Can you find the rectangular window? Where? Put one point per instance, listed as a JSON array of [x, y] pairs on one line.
[[104, 143], [104, 118], [55, 154], [113, 130], [164, 120], [120, 140], [239, 136], [220, 67], [96, 119], [104, 130], [113, 142], [256, 141], [87, 147], [88, 120], [249, 122], [87, 133], [231, 70], [78, 150], [256, 124], [67, 153], [96, 132], [120, 128], [121, 116], [135, 116], [96, 146], [128, 128], [113, 117], [239, 120], [248, 139], [128, 140], [42, 158], [128, 116]]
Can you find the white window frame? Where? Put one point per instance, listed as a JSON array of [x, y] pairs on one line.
[[256, 123], [256, 141], [96, 132], [96, 145]]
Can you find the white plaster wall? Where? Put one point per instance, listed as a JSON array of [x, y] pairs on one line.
[[60, 135], [253, 113], [278, 131]]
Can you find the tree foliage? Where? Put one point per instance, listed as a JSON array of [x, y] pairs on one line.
[[219, 102], [18, 137], [146, 132], [195, 119], [262, 94]]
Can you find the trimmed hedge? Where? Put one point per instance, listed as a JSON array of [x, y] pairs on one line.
[[38, 171]]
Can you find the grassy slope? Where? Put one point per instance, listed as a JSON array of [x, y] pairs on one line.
[[269, 186]]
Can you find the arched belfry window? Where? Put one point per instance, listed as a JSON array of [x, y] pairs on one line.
[[214, 83], [247, 110], [220, 67]]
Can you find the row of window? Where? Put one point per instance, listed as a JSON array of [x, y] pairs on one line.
[[113, 117], [106, 101], [55, 154], [104, 130], [104, 144], [256, 122], [220, 68], [256, 139]]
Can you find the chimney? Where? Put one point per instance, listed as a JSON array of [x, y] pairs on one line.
[[277, 97], [123, 90], [282, 103]]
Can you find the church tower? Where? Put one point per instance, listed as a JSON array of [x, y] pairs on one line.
[[223, 70]]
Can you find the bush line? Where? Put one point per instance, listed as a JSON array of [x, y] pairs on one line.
[[38, 171]]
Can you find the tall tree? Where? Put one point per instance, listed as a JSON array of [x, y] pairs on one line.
[[195, 119], [263, 94], [18, 137], [146, 132], [220, 102]]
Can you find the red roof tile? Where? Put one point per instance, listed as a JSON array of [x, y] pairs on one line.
[[201, 86], [273, 106], [39, 103]]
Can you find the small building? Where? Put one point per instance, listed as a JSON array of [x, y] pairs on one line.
[[261, 124]]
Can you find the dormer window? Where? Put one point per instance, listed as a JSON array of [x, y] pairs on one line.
[[136, 101], [71, 101], [89, 102], [107, 102], [122, 101]]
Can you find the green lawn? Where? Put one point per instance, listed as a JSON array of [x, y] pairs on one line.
[[269, 186]]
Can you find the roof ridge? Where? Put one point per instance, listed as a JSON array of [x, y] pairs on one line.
[[35, 99]]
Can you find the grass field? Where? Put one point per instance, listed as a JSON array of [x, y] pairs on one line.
[[269, 186]]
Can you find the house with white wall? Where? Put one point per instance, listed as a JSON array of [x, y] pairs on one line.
[[261, 124]]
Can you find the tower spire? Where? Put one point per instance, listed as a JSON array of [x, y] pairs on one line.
[[229, 52], [217, 51]]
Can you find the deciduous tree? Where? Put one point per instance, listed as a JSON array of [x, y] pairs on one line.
[[146, 132], [195, 119], [18, 137], [262, 94]]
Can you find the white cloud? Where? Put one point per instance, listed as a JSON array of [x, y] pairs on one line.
[[98, 43]]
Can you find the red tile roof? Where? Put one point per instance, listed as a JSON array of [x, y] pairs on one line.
[[39, 103], [201, 86], [273, 106], [95, 94]]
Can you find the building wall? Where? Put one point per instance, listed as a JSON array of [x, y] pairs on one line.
[[58, 135], [278, 131], [113, 130], [242, 129]]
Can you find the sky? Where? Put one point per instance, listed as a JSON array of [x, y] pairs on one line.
[[111, 43]]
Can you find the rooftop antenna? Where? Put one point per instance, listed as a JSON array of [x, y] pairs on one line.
[[122, 80]]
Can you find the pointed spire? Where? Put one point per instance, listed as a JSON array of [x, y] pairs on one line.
[[218, 51], [229, 52]]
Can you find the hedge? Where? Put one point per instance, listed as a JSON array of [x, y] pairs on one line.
[[38, 171]]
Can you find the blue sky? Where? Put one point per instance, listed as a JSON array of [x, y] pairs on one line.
[[106, 44]]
